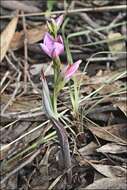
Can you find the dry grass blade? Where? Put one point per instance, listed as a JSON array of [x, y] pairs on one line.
[[55, 182], [7, 36]]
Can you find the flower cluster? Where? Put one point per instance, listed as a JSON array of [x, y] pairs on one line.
[[53, 46]]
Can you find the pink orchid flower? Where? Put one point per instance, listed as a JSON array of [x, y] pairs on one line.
[[70, 70], [52, 47]]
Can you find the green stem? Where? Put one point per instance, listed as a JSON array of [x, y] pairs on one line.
[[55, 103], [74, 94], [56, 67], [76, 97]]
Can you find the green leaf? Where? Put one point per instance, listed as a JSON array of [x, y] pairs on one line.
[[50, 4]]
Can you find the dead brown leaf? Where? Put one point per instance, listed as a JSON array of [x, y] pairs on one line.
[[100, 78], [122, 105], [116, 43], [108, 183], [21, 103], [108, 88], [88, 149], [42, 181], [112, 148], [110, 171], [114, 133], [33, 35], [6, 36]]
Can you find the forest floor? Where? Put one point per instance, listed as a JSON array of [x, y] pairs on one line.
[[30, 147]]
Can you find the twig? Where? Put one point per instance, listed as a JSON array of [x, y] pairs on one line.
[[8, 125], [89, 21], [91, 9], [7, 84], [13, 55], [102, 59], [25, 54], [12, 65], [33, 85], [26, 73], [13, 95], [4, 78], [17, 60], [118, 18], [17, 115], [92, 24]]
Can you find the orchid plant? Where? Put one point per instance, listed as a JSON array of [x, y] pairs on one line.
[[53, 46]]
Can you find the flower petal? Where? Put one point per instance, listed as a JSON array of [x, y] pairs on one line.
[[71, 69], [48, 40], [59, 20], [59, 39], [57, 49], [46, 50], [52, 47]]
